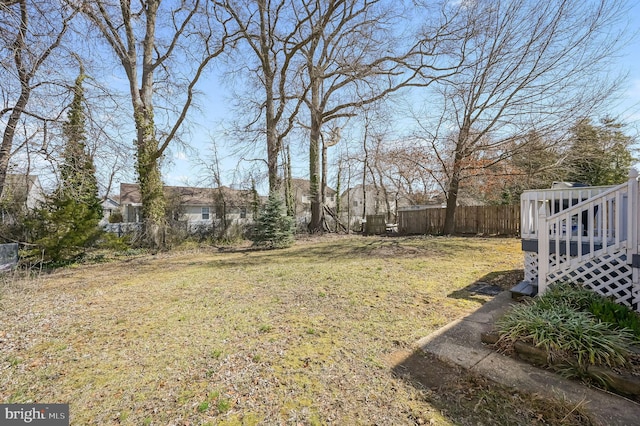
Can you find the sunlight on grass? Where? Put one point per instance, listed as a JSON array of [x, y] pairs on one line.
[[242, 337]]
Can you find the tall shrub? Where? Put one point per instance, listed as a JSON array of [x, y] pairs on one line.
[[67, 224]]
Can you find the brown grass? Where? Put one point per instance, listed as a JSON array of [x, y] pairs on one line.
[[295, 336]]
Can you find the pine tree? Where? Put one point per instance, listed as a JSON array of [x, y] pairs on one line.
[[599, 154], [65, 226], [273, 229]]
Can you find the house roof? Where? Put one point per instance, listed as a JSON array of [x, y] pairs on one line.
[[130, 194], [186, 195], [109, 201], [370, 188], [304, 185]]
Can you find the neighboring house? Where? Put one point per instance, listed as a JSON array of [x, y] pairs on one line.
[[109, 207], [195, 206], [21, 193], [367, 200], [302, 198]]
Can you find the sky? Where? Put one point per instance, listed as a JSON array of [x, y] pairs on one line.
[[183, 168]]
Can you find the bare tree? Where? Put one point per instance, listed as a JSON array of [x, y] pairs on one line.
[[30, 33], [354, 58], [527, 66], [163, 49], [267, 29]]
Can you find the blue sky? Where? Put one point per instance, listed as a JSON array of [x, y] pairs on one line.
[[183, 168]]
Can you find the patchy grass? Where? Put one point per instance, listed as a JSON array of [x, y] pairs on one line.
[[293, 336]]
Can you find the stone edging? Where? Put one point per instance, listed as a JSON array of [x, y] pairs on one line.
[[625, 384]]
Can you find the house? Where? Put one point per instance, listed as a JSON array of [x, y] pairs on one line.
[[361, 201], [587, 235], [301, 189], [196, 207], [110, 206], [21, 193]]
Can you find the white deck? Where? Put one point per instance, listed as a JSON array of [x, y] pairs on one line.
[[587, 235]]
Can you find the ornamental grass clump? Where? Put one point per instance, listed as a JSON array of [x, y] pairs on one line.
[[570, 336]]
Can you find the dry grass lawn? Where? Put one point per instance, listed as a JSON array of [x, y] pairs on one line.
[[296, 336]]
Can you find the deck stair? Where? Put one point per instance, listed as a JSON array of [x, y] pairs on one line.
[[524, 289]]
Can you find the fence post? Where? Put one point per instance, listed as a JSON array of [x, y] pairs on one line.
[[543, 248]]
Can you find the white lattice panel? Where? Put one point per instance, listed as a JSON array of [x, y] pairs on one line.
[[608, 274], [530, 266]]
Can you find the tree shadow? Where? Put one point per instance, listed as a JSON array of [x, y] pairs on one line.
[[489, 285]]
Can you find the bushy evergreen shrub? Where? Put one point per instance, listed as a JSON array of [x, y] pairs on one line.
[[273, 228]]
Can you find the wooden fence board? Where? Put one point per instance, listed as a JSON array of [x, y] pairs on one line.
[[483, 220], [376, 224]]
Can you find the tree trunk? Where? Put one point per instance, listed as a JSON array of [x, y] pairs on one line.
[[9, 133], [323, 184], [273, 144], [314, 187], [25, 91], [454, 182], [290, 199], [151, 189], [314, 155], [452, 200]]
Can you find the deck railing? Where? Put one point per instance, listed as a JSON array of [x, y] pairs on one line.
[[554, 200], [605, 222]]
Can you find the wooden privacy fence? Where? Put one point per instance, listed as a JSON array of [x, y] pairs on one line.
[[375, 225], [485, 220]]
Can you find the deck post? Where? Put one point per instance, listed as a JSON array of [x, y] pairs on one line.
[[543, 248], [632, 212], [633, 226]]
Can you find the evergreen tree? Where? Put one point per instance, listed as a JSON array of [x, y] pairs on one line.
[[68, 223], [273, 229], [599, 154]]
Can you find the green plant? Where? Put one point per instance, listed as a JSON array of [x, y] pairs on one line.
[[566, 334], [116, 217], [619, 316], [223, 405], [203, 406], [273, 228], [582, 299], [265, 328], [572, 295]]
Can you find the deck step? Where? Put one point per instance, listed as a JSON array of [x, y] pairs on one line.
[[524, 289]]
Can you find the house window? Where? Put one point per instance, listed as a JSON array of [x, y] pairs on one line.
[[205, 213], [355, 203], [243, 212]]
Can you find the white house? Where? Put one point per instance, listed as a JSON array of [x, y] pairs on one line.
[[110, 206], [195, 206], [21, 193], [301, 189]]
